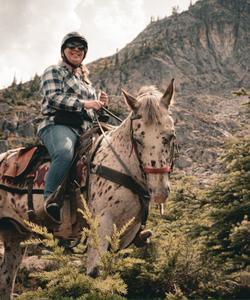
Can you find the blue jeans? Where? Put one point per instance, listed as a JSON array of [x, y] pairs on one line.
[[60, 142]]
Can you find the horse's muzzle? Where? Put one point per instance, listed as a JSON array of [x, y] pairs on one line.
[[160, 195], [159, 199]]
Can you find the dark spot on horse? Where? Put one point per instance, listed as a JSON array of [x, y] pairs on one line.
[[100, 194], [138, 126], [150, 154], [117, 201], [153, 147], [13, 201], [143, 133], [93, 195], [153, 163], [110, 198], [102, 214], [117, 187], [100, 183]]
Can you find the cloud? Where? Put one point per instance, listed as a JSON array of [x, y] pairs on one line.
[[109, 25], [31, 31]]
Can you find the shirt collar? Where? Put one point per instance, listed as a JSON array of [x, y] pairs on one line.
[[67, 66]]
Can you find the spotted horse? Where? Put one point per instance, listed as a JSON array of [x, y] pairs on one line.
[[129, 168]]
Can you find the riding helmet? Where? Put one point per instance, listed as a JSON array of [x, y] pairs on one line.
[[74, 36]]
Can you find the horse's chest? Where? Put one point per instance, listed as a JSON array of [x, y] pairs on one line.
[[112, 198]]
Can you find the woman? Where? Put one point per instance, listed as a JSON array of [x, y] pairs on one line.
[[67, 107]]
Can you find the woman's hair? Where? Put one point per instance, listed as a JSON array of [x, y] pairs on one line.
[[85, 73]]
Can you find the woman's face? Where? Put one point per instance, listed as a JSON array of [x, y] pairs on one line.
[[74, 55]]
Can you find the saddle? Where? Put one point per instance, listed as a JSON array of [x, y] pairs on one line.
[[23, 172], [15, 163]]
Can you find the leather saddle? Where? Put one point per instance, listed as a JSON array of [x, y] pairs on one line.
[[17, 162]]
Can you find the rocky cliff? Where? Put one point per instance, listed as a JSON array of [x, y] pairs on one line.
[[206, 49]]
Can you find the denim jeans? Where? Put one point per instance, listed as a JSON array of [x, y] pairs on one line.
[[60, 142]]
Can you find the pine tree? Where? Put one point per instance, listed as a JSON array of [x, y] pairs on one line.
[[228, 237]]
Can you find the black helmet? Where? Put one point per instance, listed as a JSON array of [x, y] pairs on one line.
[[74, 36]]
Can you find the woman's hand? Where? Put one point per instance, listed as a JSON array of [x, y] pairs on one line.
[[94, 104], [103, 97]]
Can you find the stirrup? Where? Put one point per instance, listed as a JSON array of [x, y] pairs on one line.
[[45, 216]]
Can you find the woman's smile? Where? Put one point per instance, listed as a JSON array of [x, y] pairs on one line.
[[75, 55]]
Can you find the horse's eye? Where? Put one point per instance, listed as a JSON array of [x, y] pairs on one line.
[[167, 139]]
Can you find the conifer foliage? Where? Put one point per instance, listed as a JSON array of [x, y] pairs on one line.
[[67, 277], [229, 235]]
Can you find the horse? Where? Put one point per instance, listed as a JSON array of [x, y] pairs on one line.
[[129, 167]]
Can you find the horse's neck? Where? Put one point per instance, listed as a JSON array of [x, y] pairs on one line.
[[119, 142]]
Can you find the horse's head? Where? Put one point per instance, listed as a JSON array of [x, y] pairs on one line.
[[153, 136]]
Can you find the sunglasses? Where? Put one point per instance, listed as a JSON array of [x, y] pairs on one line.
[[72, 45]]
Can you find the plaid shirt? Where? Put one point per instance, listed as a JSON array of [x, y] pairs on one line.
[[61, 89]]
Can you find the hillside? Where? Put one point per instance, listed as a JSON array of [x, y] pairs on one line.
[[206, 49]]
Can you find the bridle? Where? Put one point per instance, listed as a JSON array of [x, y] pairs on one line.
[[127, 179], [167, 169]]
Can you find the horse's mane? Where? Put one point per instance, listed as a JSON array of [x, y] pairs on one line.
[[149, 97]]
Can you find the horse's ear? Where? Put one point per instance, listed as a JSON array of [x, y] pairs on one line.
[[168, 95], [132, 102]]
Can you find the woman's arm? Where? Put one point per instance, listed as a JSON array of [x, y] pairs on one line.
[[52, 88]]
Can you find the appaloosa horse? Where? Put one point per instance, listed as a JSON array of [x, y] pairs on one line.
[[129, 167]]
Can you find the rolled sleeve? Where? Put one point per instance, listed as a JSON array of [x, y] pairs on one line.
[[52, 88]]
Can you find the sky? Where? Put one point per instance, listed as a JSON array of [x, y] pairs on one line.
[[31, 30]]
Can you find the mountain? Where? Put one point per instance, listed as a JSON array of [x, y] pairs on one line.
[[206, 49]]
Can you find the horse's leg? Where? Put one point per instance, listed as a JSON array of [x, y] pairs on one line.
[[13, 253], [105, 228]]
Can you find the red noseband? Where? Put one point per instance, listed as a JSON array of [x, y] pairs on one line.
[[163, 170]]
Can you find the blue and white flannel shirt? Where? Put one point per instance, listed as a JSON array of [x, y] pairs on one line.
[[61, 89]]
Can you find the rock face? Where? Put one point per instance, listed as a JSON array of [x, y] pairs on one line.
[[204, 48]]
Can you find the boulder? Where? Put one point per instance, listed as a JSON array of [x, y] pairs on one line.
[[26, 130], [4, 107], [3, 146]]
